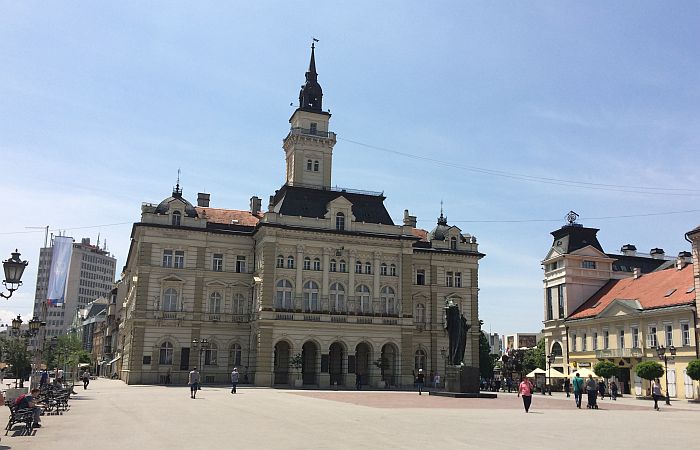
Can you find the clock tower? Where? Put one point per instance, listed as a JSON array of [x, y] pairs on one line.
[[309, 145]]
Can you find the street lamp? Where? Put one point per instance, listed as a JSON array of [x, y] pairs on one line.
[[16, 324], [661, 351], [550, 360], [202, 345], [14, 268]]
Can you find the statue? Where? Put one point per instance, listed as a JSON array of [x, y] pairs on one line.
[[457, 327]]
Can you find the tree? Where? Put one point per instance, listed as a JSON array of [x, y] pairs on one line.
[[296, 362], [16, 354], [693, 369], [487, 361], [535, 357], [649, 370], [606, 369]]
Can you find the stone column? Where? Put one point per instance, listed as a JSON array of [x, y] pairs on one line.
[[264, 375], [298, 288], [325, 261], [375, 282], [351, 278]]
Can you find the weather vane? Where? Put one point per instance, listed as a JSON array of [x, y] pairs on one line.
[[571, 217]]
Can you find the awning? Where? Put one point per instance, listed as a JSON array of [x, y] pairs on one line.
[[584, 372], [554, 373], [115, 359], [537, 370]]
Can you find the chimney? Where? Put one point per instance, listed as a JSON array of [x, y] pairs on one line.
[[637, 272], [408, 220], [255, 205], [203, 200], [657, 253], [629, 250], [86, 241], [271, 203], [684, 258]]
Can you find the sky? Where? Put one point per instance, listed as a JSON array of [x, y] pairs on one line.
[[511, 113]]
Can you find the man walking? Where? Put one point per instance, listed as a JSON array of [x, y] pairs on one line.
[[567, 387], [578, 389], [420, 381], [193, 381], [592, 391], [234, 380], [525, 390], [86, 379]]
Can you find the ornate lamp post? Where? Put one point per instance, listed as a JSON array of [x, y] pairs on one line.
[[16, 325], [202, 345], [443, 353], [14, 268], [550, 360], [661, 351]]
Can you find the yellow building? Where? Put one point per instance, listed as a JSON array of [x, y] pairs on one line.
[[619, 307]]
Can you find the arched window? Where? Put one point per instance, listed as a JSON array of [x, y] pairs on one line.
[[383, 269], [317, 264], [453, 243], [363, 299], [236, 354], [420, 313], [311, 296], [420, 360], [556, 349], [392, 270], [280, 261], [341, 266], [290, 262], [333, 266], [308, 165], [238, 303], [170, 300], [307, 263], [358, 266], [215, 303], [177, 216], [165, 355], [340, 221], [211, 355], [368, 267], [315, 166], [283, 296], [387, 299], [337, 297]]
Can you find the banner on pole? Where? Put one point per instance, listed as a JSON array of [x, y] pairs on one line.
[[60, 263]]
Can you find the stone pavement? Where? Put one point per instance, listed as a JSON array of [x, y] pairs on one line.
[[111, 415]]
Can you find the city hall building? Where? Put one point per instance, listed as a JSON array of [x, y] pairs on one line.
[[321, 288]]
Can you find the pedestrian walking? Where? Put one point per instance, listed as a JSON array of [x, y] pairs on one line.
[[656, 393], [592, 391], [234, 380], [193, 381], [420, 381], [601, 389], [436, 380], [578, 389], [358, 381], [86, 379], [43, 379], [525, 390], [613, 390], [567, 387]]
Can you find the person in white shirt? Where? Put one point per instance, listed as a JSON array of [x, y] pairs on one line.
[[193, 381]]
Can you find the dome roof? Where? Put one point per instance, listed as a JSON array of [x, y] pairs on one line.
[[439, 233], [164, 206]]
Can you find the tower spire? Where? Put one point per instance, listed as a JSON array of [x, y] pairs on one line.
[[312, 62], [442, 220], [311, 93]]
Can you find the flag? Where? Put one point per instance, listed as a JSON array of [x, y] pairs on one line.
[[60, 263]]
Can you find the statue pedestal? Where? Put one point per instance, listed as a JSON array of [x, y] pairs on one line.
[[462, 382]]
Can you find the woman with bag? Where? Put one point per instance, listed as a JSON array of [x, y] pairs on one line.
[[525, 390]]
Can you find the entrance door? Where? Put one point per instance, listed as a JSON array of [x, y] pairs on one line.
[[688, 382], [335, 364], [362, 355], [623, 378], [671, 382], [281, 363], [309, 367]]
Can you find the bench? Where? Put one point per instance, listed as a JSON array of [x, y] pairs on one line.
[[25, 416]]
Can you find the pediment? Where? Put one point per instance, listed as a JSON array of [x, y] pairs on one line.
[[216, 283], [621, 307], [339, 202], [553, 253], [589, 250], [172, 279]]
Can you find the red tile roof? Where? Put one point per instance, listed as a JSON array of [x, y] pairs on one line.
[[422, 234], [650, 290], [229, 216]]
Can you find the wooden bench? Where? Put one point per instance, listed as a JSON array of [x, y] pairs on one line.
[[24, 415]]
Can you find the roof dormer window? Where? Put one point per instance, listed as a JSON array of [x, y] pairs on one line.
[[453, 243], [176, 218]]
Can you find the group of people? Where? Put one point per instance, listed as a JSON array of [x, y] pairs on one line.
[[592, 386], [194, 381]]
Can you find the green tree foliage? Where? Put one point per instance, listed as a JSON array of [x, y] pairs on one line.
[[487, 361], [16, 355], [605, 369], [535, 357], [649, 370], [66, 350], [693, 369]]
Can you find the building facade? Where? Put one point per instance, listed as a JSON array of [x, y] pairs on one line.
[[618, 307], [91, 275], [320, 289]]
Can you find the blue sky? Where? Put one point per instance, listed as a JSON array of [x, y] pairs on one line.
[[102, 102]]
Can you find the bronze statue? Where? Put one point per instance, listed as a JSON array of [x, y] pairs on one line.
[[457, 327]]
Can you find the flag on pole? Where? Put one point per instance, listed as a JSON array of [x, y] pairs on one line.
[[60, 263]]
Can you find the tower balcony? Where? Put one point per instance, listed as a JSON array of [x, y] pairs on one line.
[[294, 131]]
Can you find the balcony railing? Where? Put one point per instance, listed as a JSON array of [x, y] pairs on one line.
[[619, 353], [312, 132]]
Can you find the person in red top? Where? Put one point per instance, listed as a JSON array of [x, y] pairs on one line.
[[525, 390]]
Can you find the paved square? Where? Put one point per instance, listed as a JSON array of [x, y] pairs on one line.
[[111, 415]]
